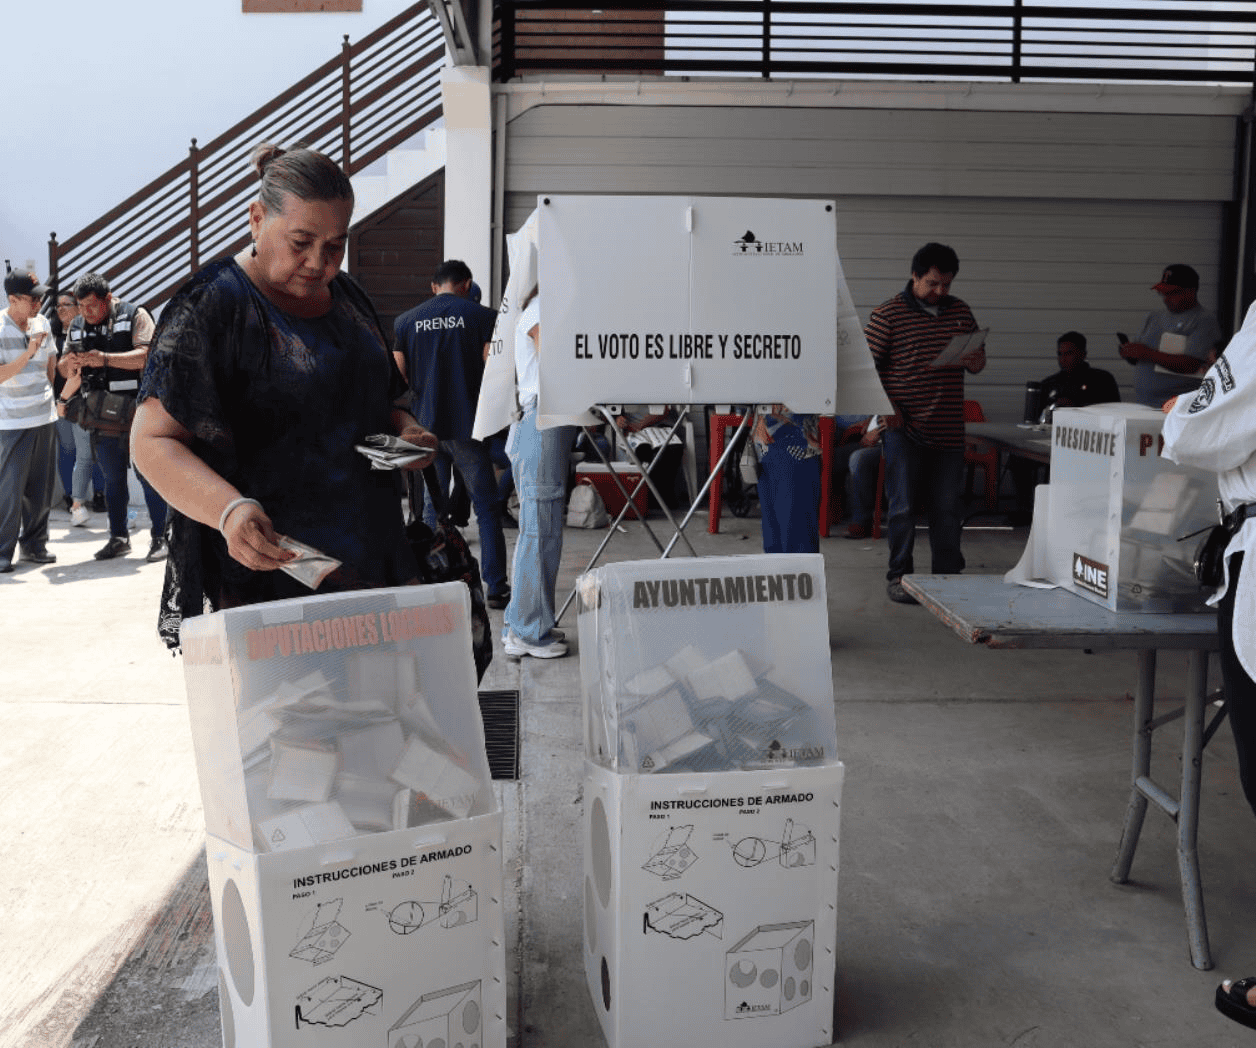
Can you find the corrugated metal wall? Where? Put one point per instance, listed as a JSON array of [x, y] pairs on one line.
[[1061, 220]]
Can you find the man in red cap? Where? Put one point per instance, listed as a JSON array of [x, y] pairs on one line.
[[1177, 342]]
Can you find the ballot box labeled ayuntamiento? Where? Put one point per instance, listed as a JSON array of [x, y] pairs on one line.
[[1117, 511], [708, 664], [354, 842], [712, 799]]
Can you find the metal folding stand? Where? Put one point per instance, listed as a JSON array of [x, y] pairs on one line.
[[607, 412], [1183, 809]]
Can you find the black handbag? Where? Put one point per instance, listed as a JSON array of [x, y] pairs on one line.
[[444, 556], [101, 411]]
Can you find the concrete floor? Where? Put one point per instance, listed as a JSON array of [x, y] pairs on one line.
[[983, 804]]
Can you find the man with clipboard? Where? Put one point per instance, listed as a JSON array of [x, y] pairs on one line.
[[922, 341]]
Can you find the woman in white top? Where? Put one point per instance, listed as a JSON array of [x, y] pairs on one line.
[[539, 459], [1215, 429]]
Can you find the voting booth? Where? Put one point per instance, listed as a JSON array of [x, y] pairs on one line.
[[1115, 510], [354, 842], [712, 801]]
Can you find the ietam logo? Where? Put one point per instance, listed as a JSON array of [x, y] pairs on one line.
[[749, 244], [1090, 575]]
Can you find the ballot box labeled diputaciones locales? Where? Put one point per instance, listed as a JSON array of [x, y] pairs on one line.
[[1118, 511], [320, 719], [354, 842], [712, 795]]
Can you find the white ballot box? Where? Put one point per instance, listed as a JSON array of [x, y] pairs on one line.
[[1116, 510], [712, 798], [320, 719], [711, 906], [707, 664], [393, 940]]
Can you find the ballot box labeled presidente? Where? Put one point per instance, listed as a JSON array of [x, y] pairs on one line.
[[1119, 524], [712, 801], [354, 841]]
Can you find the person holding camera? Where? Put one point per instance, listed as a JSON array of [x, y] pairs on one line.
[[27, 421], [106, 347]]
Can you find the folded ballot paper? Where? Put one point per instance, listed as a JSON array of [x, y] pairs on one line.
[[325, 718], [388, 452], [718, 664]]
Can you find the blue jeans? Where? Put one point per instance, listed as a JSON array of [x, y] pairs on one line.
[[497, 455], [864, 466], [74, 461], [933, 478], [789, 501], [473, 462], [113, 455], [539, 459]]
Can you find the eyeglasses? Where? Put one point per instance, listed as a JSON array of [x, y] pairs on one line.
[[66, 305]]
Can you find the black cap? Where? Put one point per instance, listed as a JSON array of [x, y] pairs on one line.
[[24, 282], [1178, 276]]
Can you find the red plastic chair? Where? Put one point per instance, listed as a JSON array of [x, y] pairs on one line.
[[978, 452]]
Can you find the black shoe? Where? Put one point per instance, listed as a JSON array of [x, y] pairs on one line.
[[157, 551], [895, 591], [38, 556], [98, 502], [117, 546], [508, 520], [497, 601], [6, 567], [69, 503]]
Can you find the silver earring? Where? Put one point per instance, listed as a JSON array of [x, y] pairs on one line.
[[253, 253]]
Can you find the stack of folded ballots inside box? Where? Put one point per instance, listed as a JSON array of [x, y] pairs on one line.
[[341, 742], [675, 683]]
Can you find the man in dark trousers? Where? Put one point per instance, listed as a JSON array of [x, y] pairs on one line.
[[107, 346], [440, 347], [924, 438]]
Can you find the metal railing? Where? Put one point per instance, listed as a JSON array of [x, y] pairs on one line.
[[355, 108], [1208, 41]]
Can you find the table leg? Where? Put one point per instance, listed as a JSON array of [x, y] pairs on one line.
[[1144, 711], [1188, 814]]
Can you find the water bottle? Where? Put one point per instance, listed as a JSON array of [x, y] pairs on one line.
[[1033, 401]]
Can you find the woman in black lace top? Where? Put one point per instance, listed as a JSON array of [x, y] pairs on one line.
[[265, 370]]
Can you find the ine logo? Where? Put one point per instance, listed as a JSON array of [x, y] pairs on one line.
[[1090, 575], [749, 244]]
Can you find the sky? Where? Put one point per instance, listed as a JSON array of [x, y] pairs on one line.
[[122, 89]]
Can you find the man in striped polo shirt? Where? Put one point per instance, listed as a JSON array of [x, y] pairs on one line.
[[27, 421], [924, 439]]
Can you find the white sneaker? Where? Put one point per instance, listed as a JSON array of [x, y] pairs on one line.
[[517, 647], [79, 516]]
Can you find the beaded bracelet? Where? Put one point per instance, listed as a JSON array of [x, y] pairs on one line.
[[235, 504]]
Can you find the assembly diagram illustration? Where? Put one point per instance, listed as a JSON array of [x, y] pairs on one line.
[[770, 971], [337, 1001], [796, 848], [671, 855], [459, 904], [322, 934], [682, 916], [448, 1017]]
